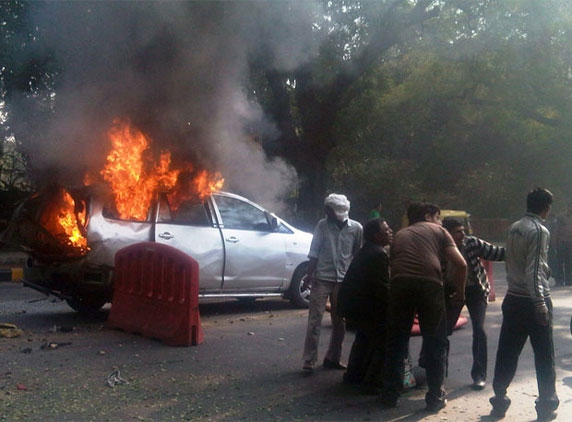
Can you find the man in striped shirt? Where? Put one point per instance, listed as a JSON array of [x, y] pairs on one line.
[[477, 290]]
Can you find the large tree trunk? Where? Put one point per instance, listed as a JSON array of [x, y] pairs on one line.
[[318, 104]]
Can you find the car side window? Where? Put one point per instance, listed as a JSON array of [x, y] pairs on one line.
[[192, 214], [237, 214], [189, 213]]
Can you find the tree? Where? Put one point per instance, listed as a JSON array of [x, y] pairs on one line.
[[360, 34], [476, 113]]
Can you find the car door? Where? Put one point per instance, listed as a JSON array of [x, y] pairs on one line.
[[190, 228], [255, 253]]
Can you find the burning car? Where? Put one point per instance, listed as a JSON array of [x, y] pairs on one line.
[[243, 250], [72, 235]]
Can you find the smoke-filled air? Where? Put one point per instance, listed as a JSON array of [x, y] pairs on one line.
[[177, 72]]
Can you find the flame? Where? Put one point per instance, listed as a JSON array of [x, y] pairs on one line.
[[65, 219], [70, 222], [134, 177]]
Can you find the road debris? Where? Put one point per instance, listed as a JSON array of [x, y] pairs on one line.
[[52, 345], [9, 330], [115, 378]]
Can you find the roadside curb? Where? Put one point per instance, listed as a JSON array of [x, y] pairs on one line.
[[11, 274]]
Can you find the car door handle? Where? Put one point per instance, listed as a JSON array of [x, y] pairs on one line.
[[166, 235], [232, 239]]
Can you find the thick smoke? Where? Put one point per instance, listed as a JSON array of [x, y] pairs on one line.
[[177, 70]]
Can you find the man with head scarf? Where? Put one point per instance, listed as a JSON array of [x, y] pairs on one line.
[[337, 238]]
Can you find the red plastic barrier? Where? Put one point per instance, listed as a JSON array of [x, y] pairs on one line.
[[156, 290]]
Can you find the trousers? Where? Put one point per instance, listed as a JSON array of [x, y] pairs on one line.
[[319, 294], [477, 306], [517, 326], [426, 298]]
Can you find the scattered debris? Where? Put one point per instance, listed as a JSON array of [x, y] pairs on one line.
[[115, 378], [62, 328], [9, 330], [51, 346]]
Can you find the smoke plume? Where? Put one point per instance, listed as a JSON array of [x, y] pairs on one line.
[[178, 71]]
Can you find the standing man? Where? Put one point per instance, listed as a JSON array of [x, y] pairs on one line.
[[527, 308], [336, 240], [563, 241], [417, 286], [477, 290], [363, 301]]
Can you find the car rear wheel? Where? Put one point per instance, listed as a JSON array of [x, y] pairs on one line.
[[298, 296], [86, 306]]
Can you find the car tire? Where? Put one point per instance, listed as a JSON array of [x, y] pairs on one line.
[[85, 306], [300, 298]]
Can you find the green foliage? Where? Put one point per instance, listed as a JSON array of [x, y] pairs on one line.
[[477, 126]]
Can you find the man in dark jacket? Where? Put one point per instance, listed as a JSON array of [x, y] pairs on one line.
[[362, 300]]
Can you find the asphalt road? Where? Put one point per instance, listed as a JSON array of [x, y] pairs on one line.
[[247, 368]]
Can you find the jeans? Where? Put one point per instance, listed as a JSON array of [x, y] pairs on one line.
[[519, 324], [319, 294], [477, 306], [426, 297]]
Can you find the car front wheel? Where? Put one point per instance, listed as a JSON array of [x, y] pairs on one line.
[[299, 296]]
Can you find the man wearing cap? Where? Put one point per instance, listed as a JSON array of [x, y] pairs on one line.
[[336, 240]]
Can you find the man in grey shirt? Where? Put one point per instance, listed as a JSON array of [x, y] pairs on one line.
[[336, 240], [527, 308]]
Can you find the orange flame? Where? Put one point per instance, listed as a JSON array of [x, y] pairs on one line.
[[69, 222], [134, 177], [65, 219]]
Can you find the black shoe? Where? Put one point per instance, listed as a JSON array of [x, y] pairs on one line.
[[330, 364], [546, 416], [435, 405], [500, 406], [478, 384], [546, 410]]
